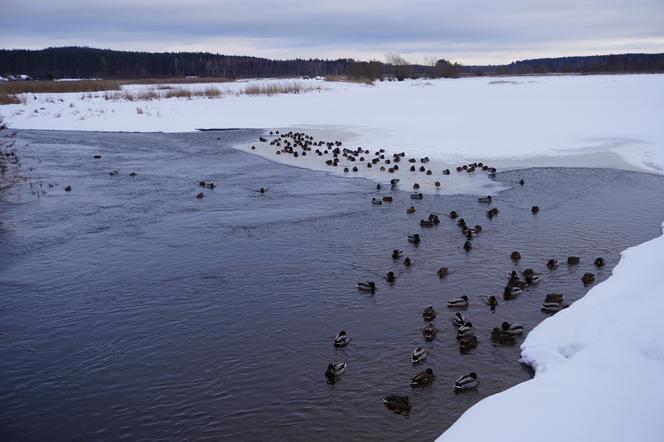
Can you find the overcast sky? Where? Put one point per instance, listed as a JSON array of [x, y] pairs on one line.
[[467, 31]]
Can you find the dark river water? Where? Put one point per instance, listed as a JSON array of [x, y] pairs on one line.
[[130, 310]]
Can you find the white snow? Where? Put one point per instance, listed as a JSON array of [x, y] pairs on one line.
[[611, 120], [598, 365]]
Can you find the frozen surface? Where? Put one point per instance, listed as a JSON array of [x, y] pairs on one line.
[[608, 121], [598, 367]]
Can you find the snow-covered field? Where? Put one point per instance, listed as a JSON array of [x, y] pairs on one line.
[[598, 365], [611, 120]]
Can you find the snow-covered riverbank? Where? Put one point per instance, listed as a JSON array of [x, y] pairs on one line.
[[598, 367], [610, 121]]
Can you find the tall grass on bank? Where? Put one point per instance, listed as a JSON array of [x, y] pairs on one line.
[[279, 88]]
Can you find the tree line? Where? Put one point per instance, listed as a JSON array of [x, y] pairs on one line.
[[83, 62]]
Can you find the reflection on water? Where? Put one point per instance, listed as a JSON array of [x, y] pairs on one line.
[[132, 310]]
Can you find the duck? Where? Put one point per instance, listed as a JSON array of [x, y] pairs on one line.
[[467, 343], [429, 333], [97, 157], [434, 218], [390, 277], [416, 196], [467, 246], [411, 209], [490, 300], [388, 199], [453, 215], [398, 404], [341, 339], [573, 260], [492, 212], [522, 182], [114, 173], [408, 261], [502, 337], [210, 185], [557, 298], [512, 276], [552, 263], [67, 188], [262, 190], [414, 238], [465, 330], [513, 291], [458, 320], [418, 355], [533, 279], [421, 379], [513, 329], [429, 314], [132, 174], [335, 370], [443, 272], [366, 286], [553, 307], [376, 201], [515, 256], [485, 199], [460, 302], [599, 262], [396, 253], [425, 223], [200, 195], [534, 210], [588, 278], [437, 184], [466, 382]]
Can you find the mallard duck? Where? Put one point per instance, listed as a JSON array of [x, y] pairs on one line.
[[394, 182], [434, 218], [522, 182], [334, 370], [467, 246], [388, 199], [437, 184], [390, 277], [528, 272], [599, 262], [67, 188], [114, 173], [493, 212], [411, 209], [210, 185], [133, 174], [588, 278], [376, 201], [453, 215], [467, 343], [464, 330], [573, 260], [484, 199], [200, 195], [408, 261], [490, 300], [341, 339], [418, 355], [515, 256], [443, 272], [467, 382], [513, 291], [429, 332], [367, 286], [416, 196], [552, 263], [429, 314], [533, 279], [554, 298], [425, 223], [502, 337], [513, 329], [534, 210], [477, 228], [421, 379], [512, 276], [396, 253], [97, 157], [414, 238], [460, 302], [553, 307], [398, 404], [458, 320]]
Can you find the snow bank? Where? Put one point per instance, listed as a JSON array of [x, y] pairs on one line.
[[610, 121], [599, 367]]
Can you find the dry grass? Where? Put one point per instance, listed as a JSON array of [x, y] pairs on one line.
[[11, 99], [279, 88], [347, 79]]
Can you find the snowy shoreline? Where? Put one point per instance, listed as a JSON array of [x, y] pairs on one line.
[[597, 364]]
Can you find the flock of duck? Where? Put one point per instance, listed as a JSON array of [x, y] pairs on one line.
[[299, 144]]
